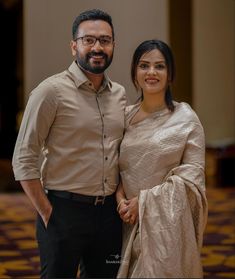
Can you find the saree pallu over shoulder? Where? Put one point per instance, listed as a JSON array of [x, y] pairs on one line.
[[172, 200], [172, 221]]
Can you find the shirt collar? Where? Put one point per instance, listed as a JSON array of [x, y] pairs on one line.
[[80, 78], [107, 82]]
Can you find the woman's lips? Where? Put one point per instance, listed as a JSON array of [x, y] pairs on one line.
[[151, 80]]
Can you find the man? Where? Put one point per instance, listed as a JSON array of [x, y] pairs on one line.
[[76, 120]]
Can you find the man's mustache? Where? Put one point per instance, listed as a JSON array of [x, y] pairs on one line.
[[94, 53]]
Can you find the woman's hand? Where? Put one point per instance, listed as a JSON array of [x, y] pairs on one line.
[[129, 211], [122, 210]]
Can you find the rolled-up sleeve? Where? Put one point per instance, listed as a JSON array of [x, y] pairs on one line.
[[39, 115]]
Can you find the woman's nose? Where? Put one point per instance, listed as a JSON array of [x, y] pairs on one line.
[[152, 70]]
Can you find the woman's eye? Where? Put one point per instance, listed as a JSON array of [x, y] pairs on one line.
[[143, 66], [160, 66]]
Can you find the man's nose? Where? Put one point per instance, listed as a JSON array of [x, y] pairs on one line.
[[97, 45]]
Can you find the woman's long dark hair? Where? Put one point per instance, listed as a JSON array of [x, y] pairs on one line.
[[147, 46]]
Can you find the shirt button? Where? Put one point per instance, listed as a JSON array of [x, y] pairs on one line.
[[106, 158], [103, 115], [105, 136], [105, 180]]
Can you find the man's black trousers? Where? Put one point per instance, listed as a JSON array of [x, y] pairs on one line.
[[79, 233]]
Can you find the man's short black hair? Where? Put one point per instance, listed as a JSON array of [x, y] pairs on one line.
[[94, 14]]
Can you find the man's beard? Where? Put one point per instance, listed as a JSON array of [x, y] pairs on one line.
[[94, 69]]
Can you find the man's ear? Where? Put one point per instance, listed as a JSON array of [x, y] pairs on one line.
[[73, 46]]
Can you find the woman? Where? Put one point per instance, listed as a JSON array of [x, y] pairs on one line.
[[162, 197]]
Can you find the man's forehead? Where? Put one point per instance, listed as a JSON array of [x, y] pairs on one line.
[[94, 27]]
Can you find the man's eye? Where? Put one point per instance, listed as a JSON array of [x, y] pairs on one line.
[[89, 40], [104, 41]]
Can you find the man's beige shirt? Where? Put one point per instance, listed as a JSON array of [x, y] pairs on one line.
[[74, 131]]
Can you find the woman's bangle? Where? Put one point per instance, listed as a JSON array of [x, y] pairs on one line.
[[119, 204]]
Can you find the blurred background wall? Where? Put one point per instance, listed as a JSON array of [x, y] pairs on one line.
[[201, 33], [35, 44], [47, 26], [214, 67]]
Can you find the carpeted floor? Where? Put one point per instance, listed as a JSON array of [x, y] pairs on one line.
[[18, 248], [218, 253], [19, 255]]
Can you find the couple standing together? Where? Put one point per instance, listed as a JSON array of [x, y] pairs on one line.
[[120, 190]]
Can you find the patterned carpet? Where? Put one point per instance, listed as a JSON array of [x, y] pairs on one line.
[[18, 248], [19, 255], [218, 253]]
